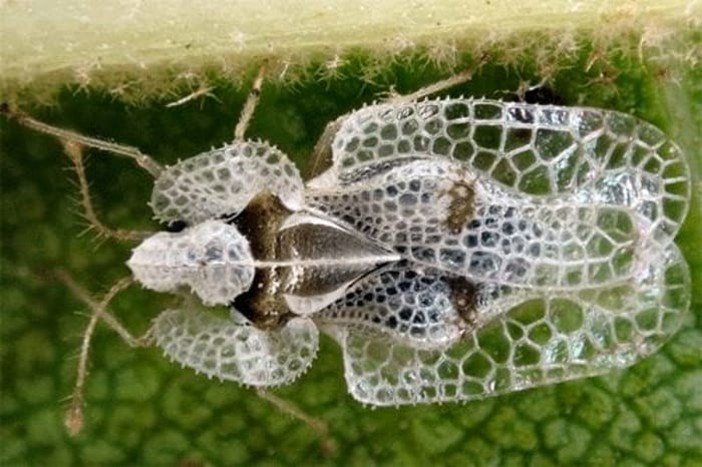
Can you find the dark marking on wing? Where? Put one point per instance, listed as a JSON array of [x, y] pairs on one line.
[[464, 297], [462, 206]]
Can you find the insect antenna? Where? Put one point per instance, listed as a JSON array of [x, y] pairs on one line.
[[74, 151], [144, 161], [74, 418], [84, 222], [73, 145]]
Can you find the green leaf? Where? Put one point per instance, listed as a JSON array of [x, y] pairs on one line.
[[143, 410]]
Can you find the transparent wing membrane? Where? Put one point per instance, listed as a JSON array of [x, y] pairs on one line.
[[544, 339], [456, 249], [232, 349], [435, 213], [594, 155], [566, 214], [426, 309], [545, 247]]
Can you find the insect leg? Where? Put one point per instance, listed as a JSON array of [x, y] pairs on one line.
[[321, 158], [144, 161], [74, 419], [73, 144], [74, 150], [439, 86], [526, 339], [316, 424], [250, 105]]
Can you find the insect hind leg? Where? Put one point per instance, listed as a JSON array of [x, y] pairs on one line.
[[316, 424]]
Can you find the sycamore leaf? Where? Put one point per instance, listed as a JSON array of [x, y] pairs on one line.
[[141, 409]]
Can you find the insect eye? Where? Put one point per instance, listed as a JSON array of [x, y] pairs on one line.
[[176, 226]]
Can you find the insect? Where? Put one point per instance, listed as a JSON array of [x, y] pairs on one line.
[[454, 248]]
